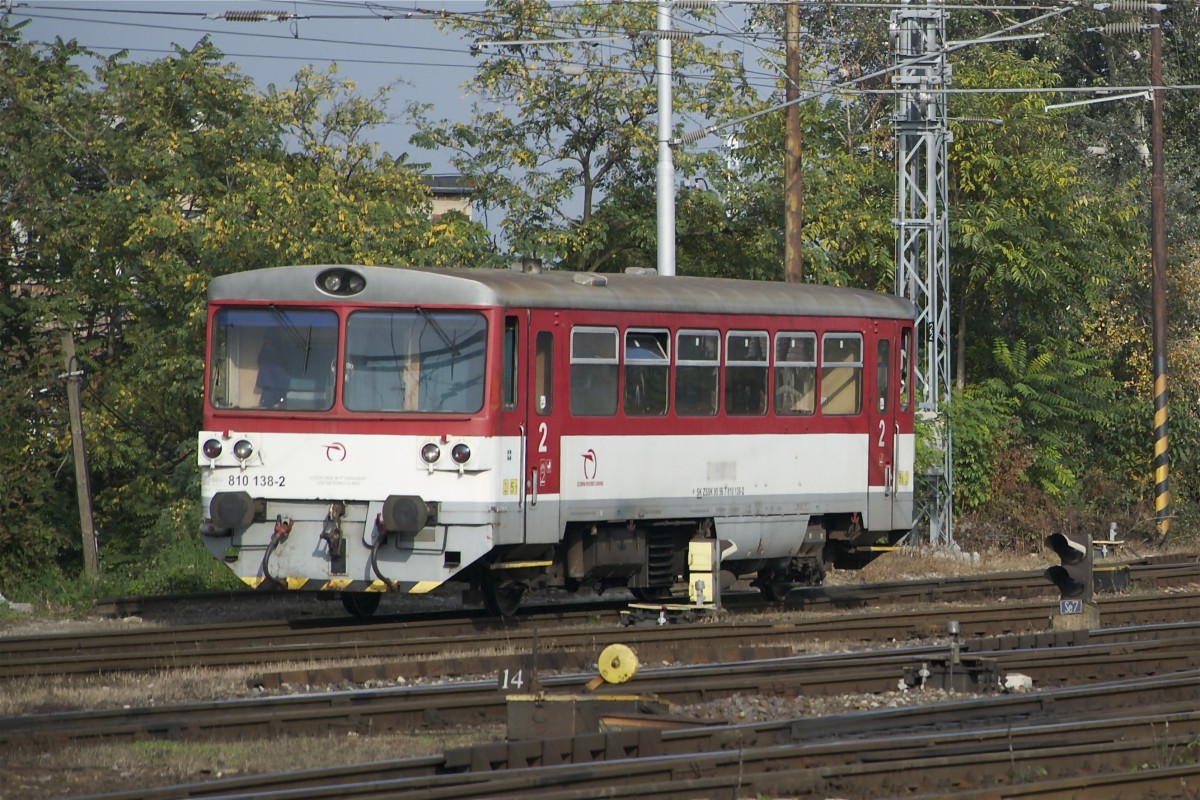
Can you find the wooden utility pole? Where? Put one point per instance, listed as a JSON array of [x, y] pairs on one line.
[[1158, 288], [793, 194], [83, 483]]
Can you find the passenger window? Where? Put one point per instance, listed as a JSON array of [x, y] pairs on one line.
[[543, 377], [795, 373], [697, 366], [594, 366], [841, 374], [746, 373], [647, 372], [905, 369]]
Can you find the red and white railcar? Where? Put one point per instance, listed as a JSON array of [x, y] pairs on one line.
[[372, 429]]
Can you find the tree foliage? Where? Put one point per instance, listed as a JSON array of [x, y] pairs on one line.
[[566, 116], [125, 187], [124, 192]]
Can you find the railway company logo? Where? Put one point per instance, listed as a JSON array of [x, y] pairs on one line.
[[335, 451], [590, 465]]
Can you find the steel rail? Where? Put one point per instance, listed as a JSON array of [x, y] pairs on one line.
[[177, 648], [870, 766], [262, 642], [479, 702]]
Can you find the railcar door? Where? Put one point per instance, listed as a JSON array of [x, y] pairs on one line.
[[883, 431], [542, 466]]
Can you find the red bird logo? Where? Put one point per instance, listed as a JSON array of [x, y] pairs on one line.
[[589, 465]]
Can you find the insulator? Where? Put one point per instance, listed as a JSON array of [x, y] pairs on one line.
[[254, 16], [694, 3], [675, 36], [1129, 6], [1115, 28], [695, 136]]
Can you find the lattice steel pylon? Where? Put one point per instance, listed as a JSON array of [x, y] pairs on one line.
[[922, 243]]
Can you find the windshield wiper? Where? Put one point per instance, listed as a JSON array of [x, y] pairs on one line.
[[433, 323]]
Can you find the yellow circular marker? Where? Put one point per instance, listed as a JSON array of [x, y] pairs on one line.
[[618, 663]]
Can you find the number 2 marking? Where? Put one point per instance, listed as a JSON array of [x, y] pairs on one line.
[[544, 431], [882, 431]]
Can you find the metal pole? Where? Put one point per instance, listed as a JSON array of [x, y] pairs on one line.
[[1158, 259], [666, 164]]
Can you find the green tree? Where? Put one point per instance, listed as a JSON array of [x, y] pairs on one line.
[[129, 192], [1036, 244], [568, 116]]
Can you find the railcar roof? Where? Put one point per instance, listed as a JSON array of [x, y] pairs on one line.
[[553, 289]]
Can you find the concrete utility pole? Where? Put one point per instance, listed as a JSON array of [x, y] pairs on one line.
[[83, 482], [793, 194], [922, 244], [666, 159]]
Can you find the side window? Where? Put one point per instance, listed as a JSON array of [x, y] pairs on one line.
[[697, 366], [510, 363], [795, 373], [594, 372], [841, 374], [647, 372], [905, 369], [543, 376], [746, 373], [883, 366]]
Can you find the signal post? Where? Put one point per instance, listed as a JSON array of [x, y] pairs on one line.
[[1077, 609]]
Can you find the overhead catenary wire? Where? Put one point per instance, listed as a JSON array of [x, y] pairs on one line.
[[348, 10]]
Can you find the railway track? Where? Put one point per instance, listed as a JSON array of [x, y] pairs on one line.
[[1078, 656], [1147, 636], [959, 747], [569, 634]]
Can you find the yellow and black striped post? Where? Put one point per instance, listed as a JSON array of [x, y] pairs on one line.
[[1162, 488]]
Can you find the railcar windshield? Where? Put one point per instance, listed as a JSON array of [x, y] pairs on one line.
[[415, 360], [273, 358]]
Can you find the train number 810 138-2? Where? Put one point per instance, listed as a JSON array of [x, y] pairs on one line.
[[257, 480]]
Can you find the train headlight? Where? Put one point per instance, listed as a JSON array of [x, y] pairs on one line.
[[341, 282], [243, 449], [461, 453], [332, 282], [211, 449], [430, 453]]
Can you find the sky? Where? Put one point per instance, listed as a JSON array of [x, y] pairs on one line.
[[394, 43], [374, 44]]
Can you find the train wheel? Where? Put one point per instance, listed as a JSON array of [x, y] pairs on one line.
[[775, 591], [502, 601], [361, 604]]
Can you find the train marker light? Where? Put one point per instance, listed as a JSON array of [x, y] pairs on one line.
[[243, 449], [212, 449], [430, 453], [1073, 576], [461, 453]]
